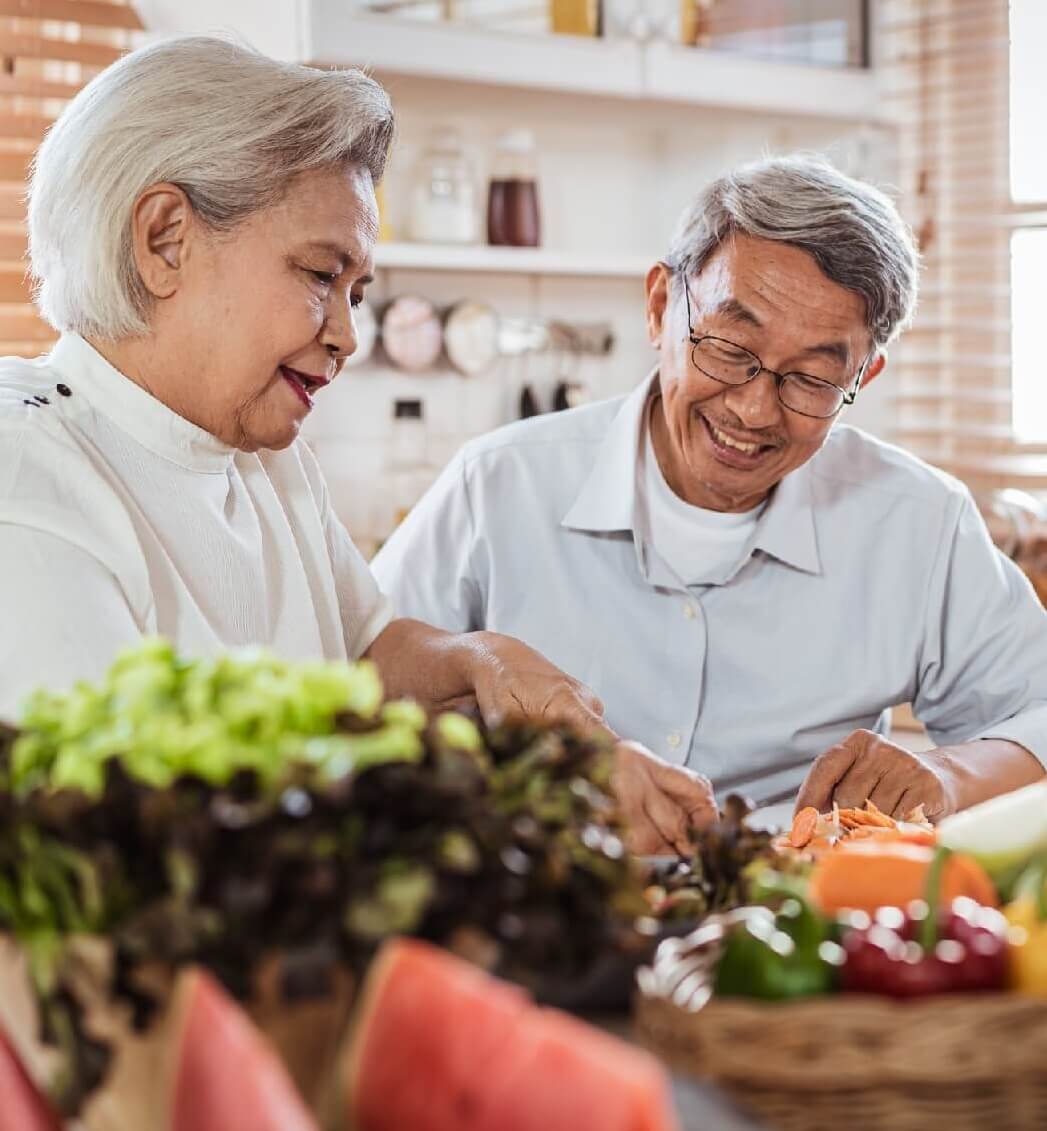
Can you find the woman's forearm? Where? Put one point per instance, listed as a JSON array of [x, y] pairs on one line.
[[417, 661]]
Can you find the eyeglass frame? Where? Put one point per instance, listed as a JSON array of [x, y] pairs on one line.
[[848, 396]]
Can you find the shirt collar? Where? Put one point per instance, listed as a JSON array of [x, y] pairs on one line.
[[608, 502], [786, 529], [136, 412]]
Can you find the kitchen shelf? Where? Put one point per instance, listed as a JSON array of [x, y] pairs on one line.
[[508, 260], [656, 73]]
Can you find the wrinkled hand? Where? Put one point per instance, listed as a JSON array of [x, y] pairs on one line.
[[512, 683], [659, 803], [866, 766]]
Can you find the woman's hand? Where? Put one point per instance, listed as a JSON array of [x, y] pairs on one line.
[[512, 683], [505, 679], [659, 803]]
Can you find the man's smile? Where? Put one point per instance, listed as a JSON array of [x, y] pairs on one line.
[[728, 447]]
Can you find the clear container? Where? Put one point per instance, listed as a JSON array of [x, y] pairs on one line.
[[513, 212], [408, 474], [445, 198]]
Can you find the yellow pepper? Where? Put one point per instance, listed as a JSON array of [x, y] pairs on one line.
[[1027, 914]]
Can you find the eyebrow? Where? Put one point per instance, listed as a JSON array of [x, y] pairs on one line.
[[735, 311], [340, 253]]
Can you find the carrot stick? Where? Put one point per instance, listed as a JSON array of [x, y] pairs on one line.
[[876, 816]]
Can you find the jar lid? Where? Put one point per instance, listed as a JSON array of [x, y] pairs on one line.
[[471, 337], [412, 334], [516, 141]]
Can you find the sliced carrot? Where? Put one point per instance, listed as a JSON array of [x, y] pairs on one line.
[[864, 874], [804, 824]]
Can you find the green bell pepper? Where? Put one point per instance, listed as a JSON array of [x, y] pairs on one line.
[[777, 956]]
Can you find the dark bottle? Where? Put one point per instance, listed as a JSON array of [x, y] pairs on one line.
[[513, 217]]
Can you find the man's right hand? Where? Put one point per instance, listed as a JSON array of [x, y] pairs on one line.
[[658, 802]]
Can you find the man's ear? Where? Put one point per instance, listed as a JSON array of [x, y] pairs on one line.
[[874, 368], [160, 225], [658, 285]]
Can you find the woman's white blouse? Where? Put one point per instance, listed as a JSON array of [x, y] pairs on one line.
[[119, 518]]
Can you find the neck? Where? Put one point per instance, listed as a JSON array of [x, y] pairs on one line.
[[144, 362]]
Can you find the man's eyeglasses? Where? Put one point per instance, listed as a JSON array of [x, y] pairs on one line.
[[731, 364]]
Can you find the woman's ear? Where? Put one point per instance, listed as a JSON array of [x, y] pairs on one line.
[[160, 224], [659, 289]]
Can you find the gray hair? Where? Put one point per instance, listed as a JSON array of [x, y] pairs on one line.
[[228, 125], [852, 230]]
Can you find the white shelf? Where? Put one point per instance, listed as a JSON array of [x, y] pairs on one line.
[[338, 35], [508, 261], [655, 73], [711, 78]]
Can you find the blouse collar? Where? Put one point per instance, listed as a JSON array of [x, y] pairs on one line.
[[134, 410]]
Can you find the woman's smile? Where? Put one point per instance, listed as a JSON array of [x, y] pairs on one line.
[[303, 385]]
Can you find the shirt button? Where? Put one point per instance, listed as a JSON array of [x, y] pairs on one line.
[[689, 611], [675, 739], [64, 390]]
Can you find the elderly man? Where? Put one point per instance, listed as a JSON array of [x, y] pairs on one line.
[[747, 584]]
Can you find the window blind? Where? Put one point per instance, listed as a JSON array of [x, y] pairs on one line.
[[945, 67], [48, 50]]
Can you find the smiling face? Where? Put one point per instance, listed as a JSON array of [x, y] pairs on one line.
[[248, 325], [724, 447]]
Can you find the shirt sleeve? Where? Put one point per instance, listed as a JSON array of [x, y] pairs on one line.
[[365, 610], [426, 566], [65, 615], [983, 673]]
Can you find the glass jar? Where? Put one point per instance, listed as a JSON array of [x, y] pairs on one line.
[[445, 196], [513, 214]]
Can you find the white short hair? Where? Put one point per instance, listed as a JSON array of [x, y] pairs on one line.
[[853, 230], [228, 125]]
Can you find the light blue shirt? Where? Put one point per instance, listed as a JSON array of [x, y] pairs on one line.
[[869, 580]]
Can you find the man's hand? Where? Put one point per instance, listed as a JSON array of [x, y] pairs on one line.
[[511, 682], [867, 766], [659, 803]]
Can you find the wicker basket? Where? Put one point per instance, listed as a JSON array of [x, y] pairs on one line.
[[975, 1062]]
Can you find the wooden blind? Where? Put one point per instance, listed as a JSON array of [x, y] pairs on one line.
[[48, 50], [946, 73]]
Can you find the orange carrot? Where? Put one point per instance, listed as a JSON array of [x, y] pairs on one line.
[[874, 815], [804, 824], [882, 872]]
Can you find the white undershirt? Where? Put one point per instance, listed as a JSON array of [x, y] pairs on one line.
[[700, 546], [119, 518]]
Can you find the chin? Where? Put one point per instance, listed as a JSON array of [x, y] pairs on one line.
[[274, 441]]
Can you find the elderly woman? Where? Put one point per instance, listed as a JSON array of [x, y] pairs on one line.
[[202, 222]]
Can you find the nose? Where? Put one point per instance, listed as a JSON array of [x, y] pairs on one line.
[[756, 402], [338, 333]]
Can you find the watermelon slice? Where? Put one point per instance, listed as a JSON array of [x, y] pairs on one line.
[[569, 1074], [227, 1076], [441, 1046], [407, 1048], [22, 1108]]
